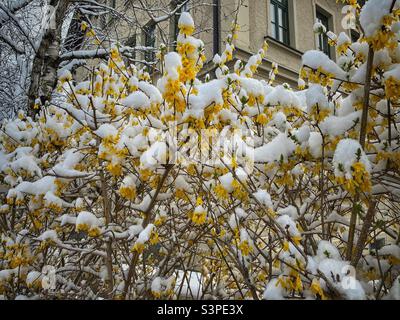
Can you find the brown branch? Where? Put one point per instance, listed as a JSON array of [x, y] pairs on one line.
[[146, 221], [364, 232], [363, 136]]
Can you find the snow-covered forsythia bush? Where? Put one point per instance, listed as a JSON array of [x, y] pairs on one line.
[[229, 188]]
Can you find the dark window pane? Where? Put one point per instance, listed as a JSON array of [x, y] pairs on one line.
[[150, 41], [177, 15], [273, 29], [280, 17], [354, 35], [323, 38], [131, 42], [279, 13], [272, 9]]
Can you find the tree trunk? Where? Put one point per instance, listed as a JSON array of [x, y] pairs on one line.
[[13, 6], [46, 61], [369, 217], [363, 138]]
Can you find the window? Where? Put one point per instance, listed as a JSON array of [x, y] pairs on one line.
[[184, 8], [216, 26], [322, 41], [131, 42], [280, 20], [361, 2], [354, 35], [150, 41]]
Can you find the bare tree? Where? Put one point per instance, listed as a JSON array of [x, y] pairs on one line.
[[40, 37]]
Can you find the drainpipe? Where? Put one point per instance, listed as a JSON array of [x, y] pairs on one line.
[[216, 26]]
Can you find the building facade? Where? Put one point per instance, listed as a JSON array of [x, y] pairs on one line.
[[287, 26]]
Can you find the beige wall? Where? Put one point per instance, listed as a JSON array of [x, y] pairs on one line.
[[254, 20]]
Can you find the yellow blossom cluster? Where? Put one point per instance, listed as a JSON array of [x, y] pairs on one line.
[[97, 178], [319, 76], [359, 181]]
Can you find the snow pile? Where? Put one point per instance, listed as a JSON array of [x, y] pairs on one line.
[[372, 13], [393, 73], [336, 273], [282, 96], [208, 93], [48, 235], [65, 168], [289, 225], [337, 126], [106, 131], [273, 291], [315, 144], [316, 96], [290, 211], [39, 187], [318, 60], [144, 235], [155, 155], [236, 217], [343, 39], [136, 100], [172, 63], [228, 180], [264, 198], [347, 153], [281, 147], [189, 284], [88, 222], [186, 19], [327, 250]]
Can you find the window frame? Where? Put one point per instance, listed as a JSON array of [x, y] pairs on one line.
[[322, 18], [184, 8], [274, 7], [149, 41]]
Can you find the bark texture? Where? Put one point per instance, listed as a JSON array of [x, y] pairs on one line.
[[46, 61]]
